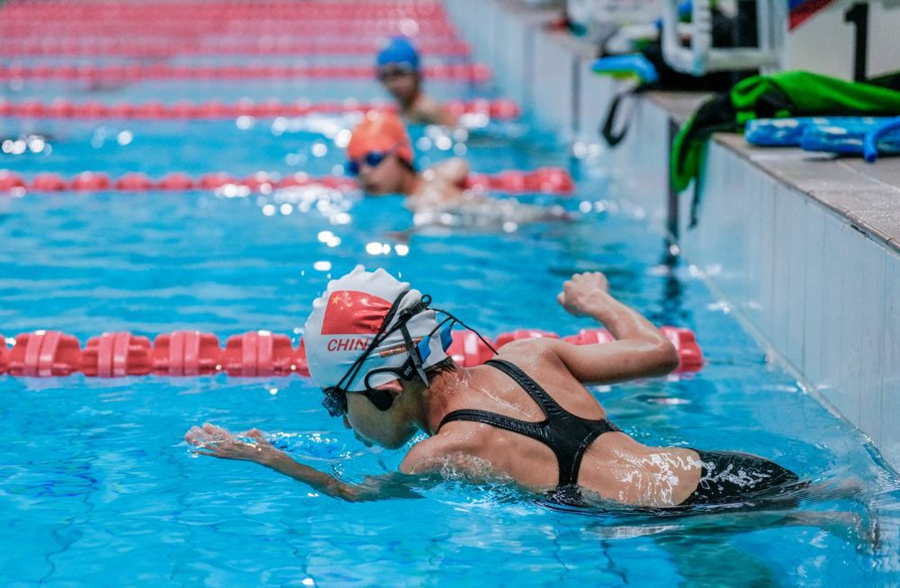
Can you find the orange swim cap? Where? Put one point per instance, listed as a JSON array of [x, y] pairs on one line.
[[380, 131]]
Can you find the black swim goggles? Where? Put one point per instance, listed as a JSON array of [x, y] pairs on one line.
[[393, 70], [372, 159], [335, 401]]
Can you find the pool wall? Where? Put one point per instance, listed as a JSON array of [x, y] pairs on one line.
[[803, 248]]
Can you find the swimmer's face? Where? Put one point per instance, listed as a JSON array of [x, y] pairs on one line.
[[402, 83], [383, 178], [375, 427]]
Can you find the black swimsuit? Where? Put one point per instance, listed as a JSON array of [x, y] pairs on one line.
[[726, 477], [567, 435]]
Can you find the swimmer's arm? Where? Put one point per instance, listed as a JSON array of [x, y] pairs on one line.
[[391, 485], [639, 349], [252, 446], [429, 111], [454, 170]]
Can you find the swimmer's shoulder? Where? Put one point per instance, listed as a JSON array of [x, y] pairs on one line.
[[437, 453], [454, 171], [530, 351], [427, 110]]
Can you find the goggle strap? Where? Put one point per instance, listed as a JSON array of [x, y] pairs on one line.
[[414, 355], [477, 334]]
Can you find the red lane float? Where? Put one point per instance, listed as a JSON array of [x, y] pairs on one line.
[[252, 354], [543, 180], [91, 182], [133, 182], [259, 353], [113, 355], [176, 182], [62, 108], [468, 350], [10, 181], [44, 354], [186, 353], [136, 73], [4, 355], [48, 182], [215, 180]]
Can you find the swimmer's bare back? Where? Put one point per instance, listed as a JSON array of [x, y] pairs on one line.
[[615, 467]]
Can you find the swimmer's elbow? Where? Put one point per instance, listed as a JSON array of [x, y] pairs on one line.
[[663, 358], [338, 489], [351, 493]]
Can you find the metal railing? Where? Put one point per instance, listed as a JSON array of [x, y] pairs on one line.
[[700, 57]]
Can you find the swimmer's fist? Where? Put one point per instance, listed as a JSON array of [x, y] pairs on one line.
[[218, 442], [584, 293]]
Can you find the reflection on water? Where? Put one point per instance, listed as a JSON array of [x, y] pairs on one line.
[[96, 476]]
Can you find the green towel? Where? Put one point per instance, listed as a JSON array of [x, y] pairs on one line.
[[780, 95]]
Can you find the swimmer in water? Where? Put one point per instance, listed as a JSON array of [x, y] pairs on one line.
[[381, 158], [399, 72], [379, 352]]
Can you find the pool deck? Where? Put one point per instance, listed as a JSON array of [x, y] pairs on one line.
[[803, 246]]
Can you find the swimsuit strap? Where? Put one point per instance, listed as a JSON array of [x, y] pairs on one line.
[[527, 428], [537, 393], [567, 435]]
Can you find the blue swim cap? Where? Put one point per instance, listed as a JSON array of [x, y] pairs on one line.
[[399, 50]]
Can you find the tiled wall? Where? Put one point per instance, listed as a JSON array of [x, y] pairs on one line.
[[822, 294]]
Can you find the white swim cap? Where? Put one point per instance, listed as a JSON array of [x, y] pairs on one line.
[[346, 319]]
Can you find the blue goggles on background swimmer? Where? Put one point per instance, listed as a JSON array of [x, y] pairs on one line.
[[395, 70], [335, 401], [372, 159]]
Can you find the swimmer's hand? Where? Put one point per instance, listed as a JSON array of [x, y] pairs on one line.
[[252, 446], [583, 293], [219, 442]]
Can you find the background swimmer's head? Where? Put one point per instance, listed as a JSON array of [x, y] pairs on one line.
[[398, 51], [380, 153], [398, 69]]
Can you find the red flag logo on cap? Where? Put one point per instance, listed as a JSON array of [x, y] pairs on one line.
[[354, 313]]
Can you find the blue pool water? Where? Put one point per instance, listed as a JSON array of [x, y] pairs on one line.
[[99, 489]]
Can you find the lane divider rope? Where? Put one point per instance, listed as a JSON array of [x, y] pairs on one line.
[[62, 108], [546, 180], [252, 354], [157, 47], [255, 10], [141, 72]]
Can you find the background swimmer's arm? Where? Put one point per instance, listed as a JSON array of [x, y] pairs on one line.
[[429, 111], [640, 349], [454, 170], [252, 446]]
